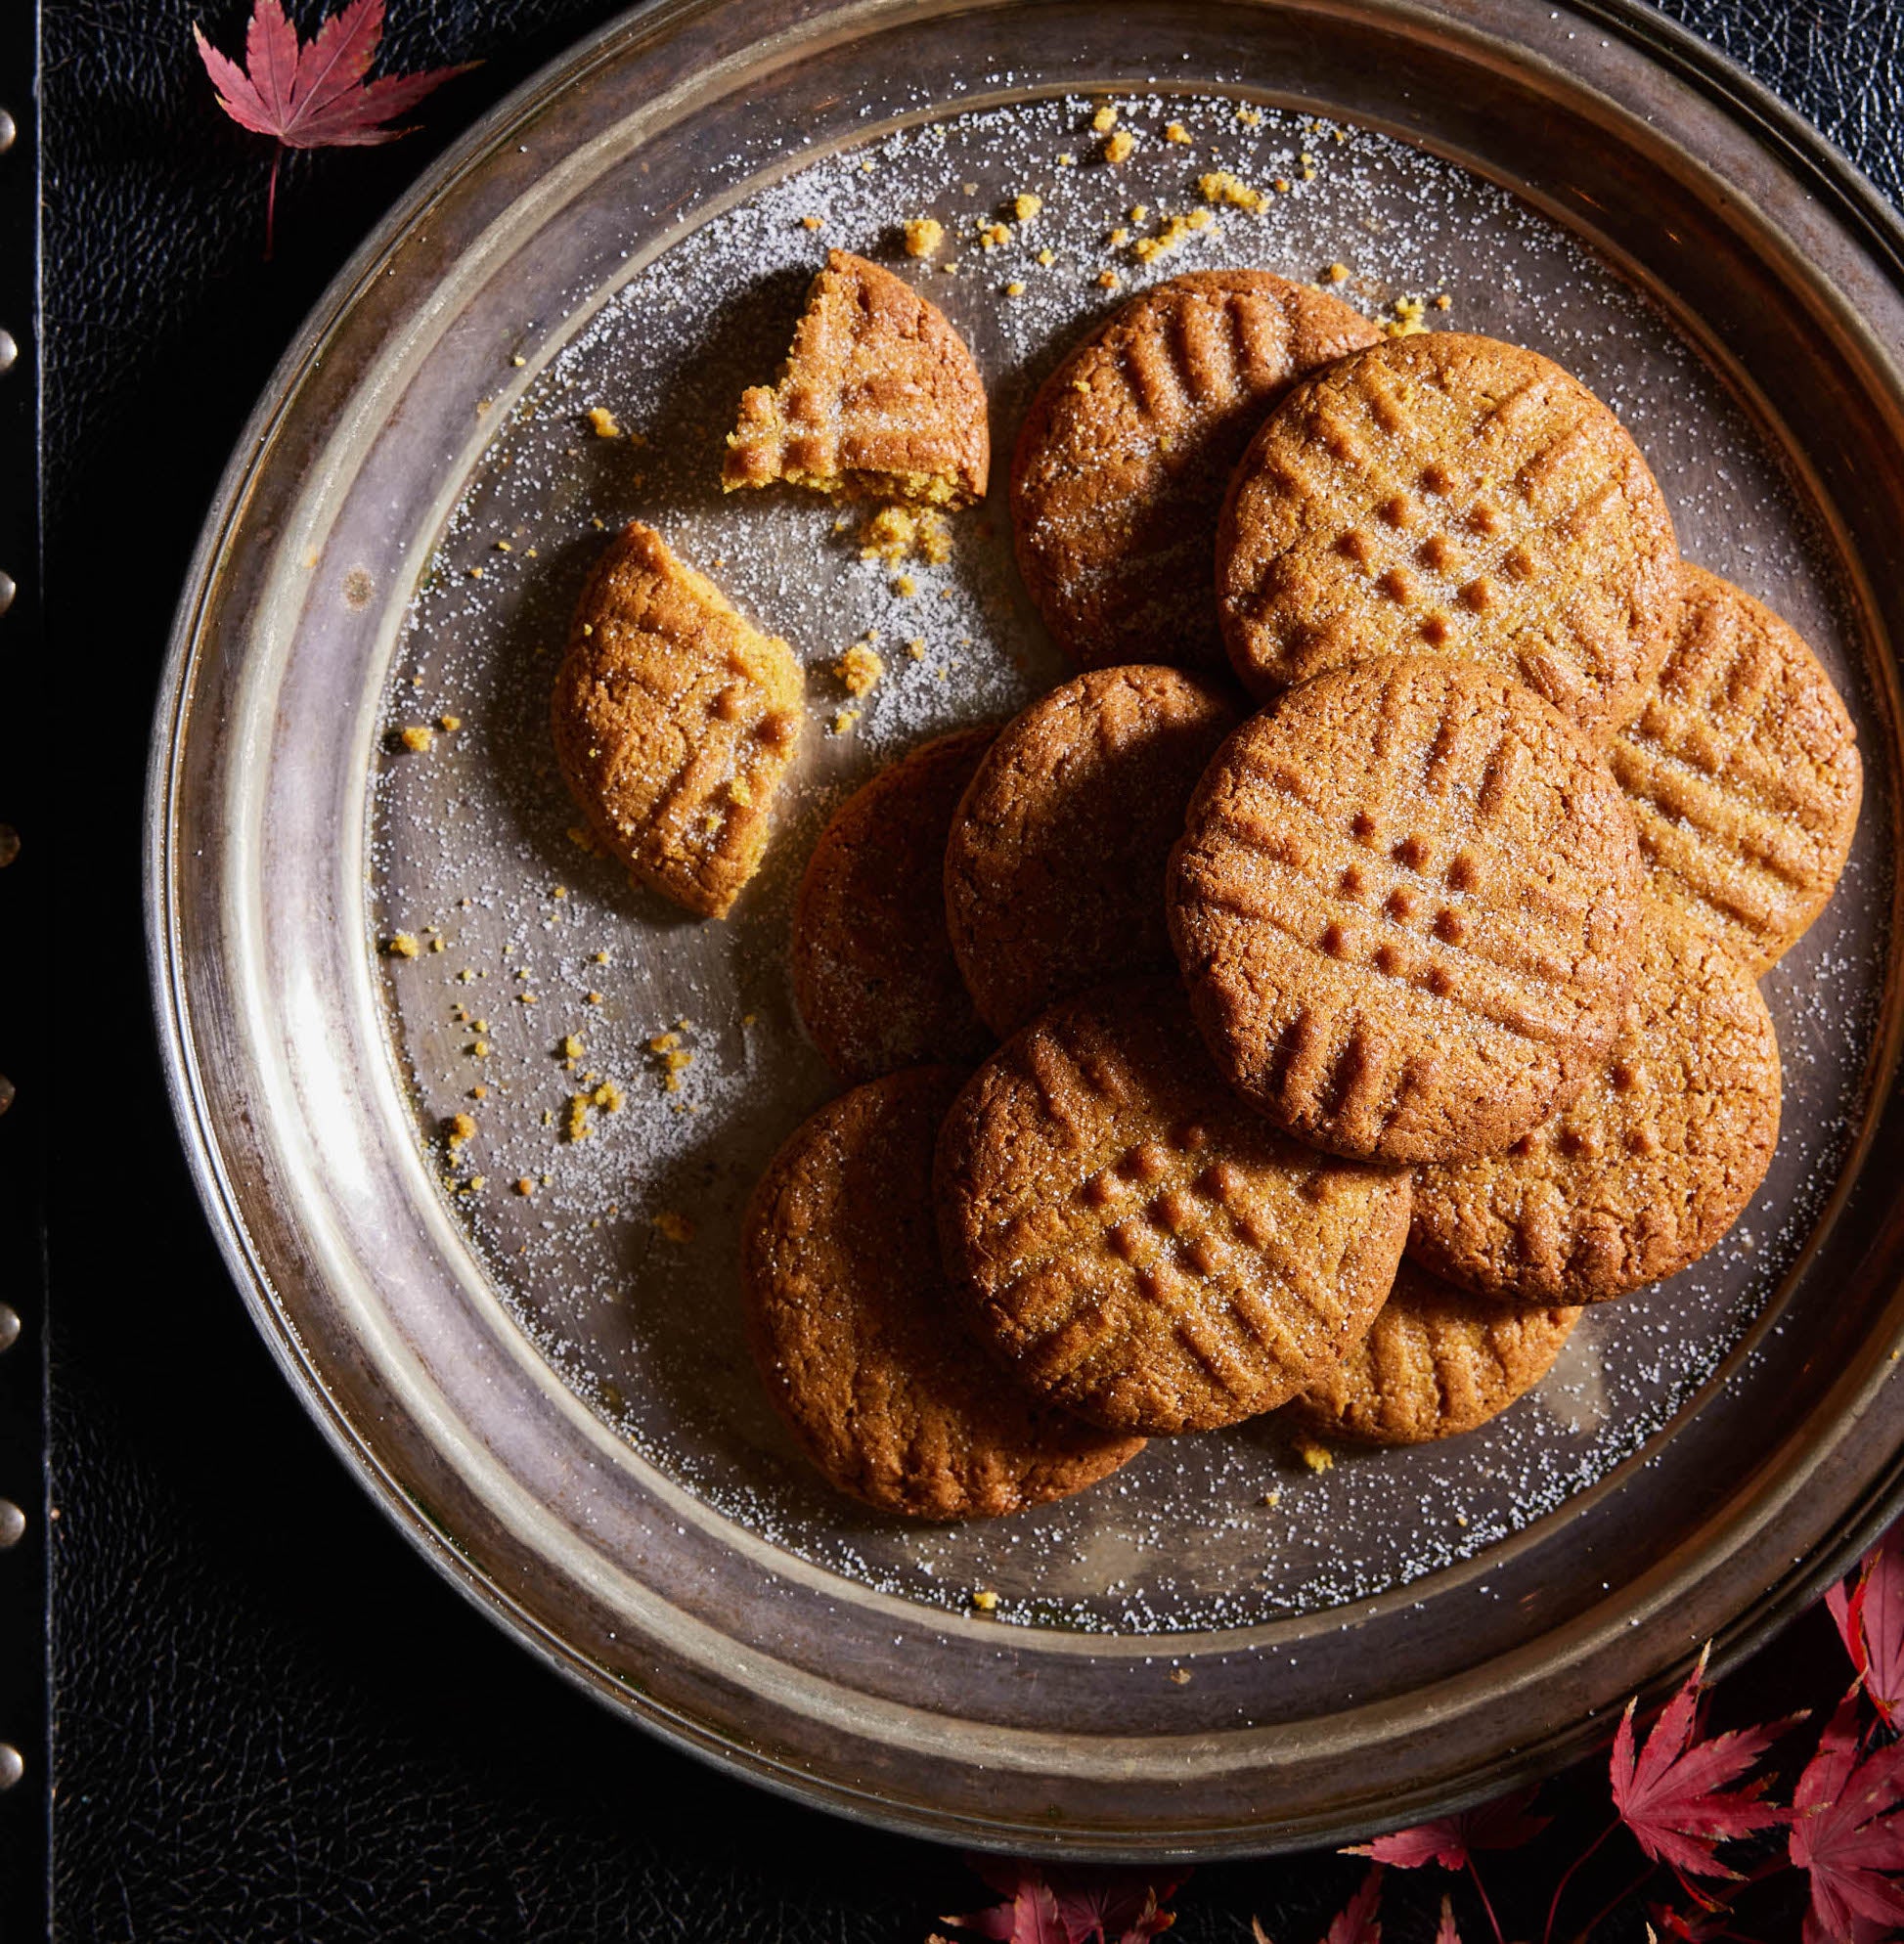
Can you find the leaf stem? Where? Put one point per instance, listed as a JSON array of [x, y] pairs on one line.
[[1560, 1888], [1486, 1903], [271, 200], [1606, 1909]]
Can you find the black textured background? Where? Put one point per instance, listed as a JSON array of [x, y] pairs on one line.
[[270, 1720]]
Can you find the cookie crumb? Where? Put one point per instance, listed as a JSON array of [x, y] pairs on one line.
[[1337, 273], [923, 235], [458, 1130], [982, 1597], [1139, 213], [575, 1119], [844, 721], [525, 1185], [417, 736], [1105, 119], [1107, 279], [571, 1047], [1015, 288], [993, 236], [1410, 318], [1047, 257], [1250, 118], [1025, 205], [1270, 1499], [674, 1226], [813, 222], [449, 725], [1180, 1677], [601, 421], [1443, 303], [860, 667], [400, 945], [1221, 185], [1066, 160], [1317, 1457], [1120, 147], [1177, 133]]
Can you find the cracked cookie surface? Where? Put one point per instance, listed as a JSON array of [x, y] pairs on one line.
[[1123, 455], [1742, 768], [1134, 1243], [1055, 866], [1405, 905], [873, 972], [1436, 1362], [879, 396], [1454, 495], [850, 1323], [675, 720], [1648, 1167]]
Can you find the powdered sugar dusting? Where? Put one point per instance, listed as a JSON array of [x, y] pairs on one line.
[[620, 1260]]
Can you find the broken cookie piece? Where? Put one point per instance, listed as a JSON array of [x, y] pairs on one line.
[[878, 398], [675, 719]]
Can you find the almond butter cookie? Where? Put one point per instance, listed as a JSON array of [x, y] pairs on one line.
[[861, 1353], [1406, 906], [873, 972], [1137, 1246], [1054, 870], [878, 398], [1651, 1161], [1124, 456], [1742, 770], [675, 720], [1435, 1363], [1450, 494]]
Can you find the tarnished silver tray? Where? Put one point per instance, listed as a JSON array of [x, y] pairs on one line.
[[547, 1389]]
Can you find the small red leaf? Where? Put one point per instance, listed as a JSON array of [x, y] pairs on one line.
[[1446, 1932], [1675, 1796], [1847, 1832], [1070, 1905], [1450, 1840], [1358, 1921], [1879, 1608], [1839, 1603]]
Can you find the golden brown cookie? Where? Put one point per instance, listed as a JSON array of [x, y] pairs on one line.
[[1136, 1245], [675, 721], [859, 1347], [1435, 1363], [1124, 456], [1406, 905], [1649, 1165], [1742, 770], [873, 972], [1054, 870], [1450, 494], [878, 397]]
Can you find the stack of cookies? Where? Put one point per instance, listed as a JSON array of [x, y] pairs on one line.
[[1312, 1004]]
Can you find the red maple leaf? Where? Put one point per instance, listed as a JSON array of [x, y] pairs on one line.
[[1445, 1932], [1846, 1832], [315, 96], [1871, 1623], [1451, 1840], [1674, 1794], [1070, 1905], [1358, 1921]]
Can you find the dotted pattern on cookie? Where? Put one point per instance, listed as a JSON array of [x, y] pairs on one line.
[[1436, 1362], [1123, 458], [873, 973], [1055, 867], [1405, 905], [880, 397], [858, 1349], [1742, 770], [1453, 495], [675, 720], [1645, 1171], [1132, 1242]]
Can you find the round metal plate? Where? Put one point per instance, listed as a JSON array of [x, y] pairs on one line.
[[546, 1391]]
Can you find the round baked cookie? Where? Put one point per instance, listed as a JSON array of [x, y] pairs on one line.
[[1742, 768], [879, 396], [1450, 494], [860, 1348], [1435, 1363], [1132, 1242], [1405, 904], [1054, 870], [1651, 1161], [675, 721], [873, 972], [1125, 452]]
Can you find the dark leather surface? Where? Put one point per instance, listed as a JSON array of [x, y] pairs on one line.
[[271, 1720]]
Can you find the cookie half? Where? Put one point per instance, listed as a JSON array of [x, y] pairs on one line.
[[878, 397], [675, 721], [1741, 767], [857, 1344], [1454, 495], [1406, 905], [1435, 1363], [1135, 1244], [1651, 1163], [1124, 456], [1055, 866], [873, 972]]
